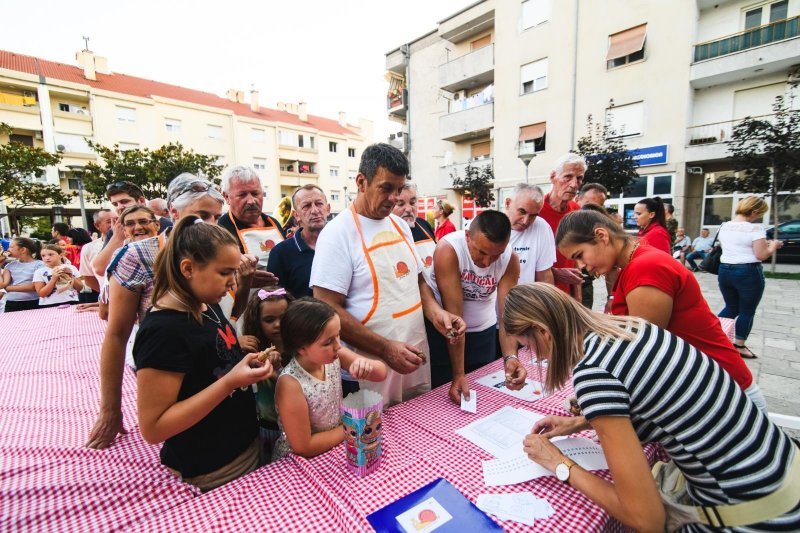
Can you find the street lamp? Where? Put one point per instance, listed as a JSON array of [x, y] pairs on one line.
[[77, 171], [526, 154], [345, 196]]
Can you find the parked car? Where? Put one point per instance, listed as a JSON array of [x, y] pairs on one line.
[[789, 233]]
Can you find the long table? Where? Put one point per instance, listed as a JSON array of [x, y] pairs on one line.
[[48, 480]]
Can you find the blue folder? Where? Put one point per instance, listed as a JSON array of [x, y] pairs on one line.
[[466, 517]]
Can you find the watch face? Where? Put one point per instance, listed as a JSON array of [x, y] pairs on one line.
[[562, 471]]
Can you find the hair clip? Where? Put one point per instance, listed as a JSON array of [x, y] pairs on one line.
[[263, 295]]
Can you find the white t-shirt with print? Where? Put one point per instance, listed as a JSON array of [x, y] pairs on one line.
[[339, 263], [44, 275], [737, 242], [536, 249]]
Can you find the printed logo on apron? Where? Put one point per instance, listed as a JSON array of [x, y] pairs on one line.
[[425, 250]]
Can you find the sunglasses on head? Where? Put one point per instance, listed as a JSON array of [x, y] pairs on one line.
[[119, 184], [197, 186]]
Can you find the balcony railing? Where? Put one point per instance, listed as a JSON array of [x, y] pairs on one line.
[[716, 132], [766, 34]]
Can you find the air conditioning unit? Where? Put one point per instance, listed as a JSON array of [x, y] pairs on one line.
[[61, 148], [794, 74], [459, 95], [695, 170]]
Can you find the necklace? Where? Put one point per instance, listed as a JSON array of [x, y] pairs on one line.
[[216, 317], [635, 246]]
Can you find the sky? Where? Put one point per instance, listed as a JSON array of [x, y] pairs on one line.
[[329, 54]]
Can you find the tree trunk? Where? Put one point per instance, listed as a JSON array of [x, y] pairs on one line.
[[775, 182]]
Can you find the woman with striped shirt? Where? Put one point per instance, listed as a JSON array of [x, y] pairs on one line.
[[638, 383]]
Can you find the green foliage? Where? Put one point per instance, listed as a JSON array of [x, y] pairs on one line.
[[609, 162], [37, 227], [19, 165], [477, 182], [151, 170]]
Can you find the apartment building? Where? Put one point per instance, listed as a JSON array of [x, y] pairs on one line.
[[58, 107], [501, 82]]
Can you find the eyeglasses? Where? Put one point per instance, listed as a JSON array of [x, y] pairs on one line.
[[142, 222]]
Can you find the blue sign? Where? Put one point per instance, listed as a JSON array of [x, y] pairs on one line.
[[650, 155]]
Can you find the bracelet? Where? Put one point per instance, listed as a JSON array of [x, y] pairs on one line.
[[509, 356], [610, 297]]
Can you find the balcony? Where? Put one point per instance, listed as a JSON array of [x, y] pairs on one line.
[[467, 124], [470, 70], [399, 140], [707, 142], [295, 153], [445, 172], [767, 49], [468, 22], [397, 103]]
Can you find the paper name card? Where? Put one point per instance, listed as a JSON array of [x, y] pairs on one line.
[[522, 507], [530, 392]]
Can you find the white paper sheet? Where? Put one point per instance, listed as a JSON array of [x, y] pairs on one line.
[[502, 432], [471, 405], [530, 392], [522, 507], [513, 469]]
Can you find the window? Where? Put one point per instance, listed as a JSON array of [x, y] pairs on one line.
[[626, 120], [172, 125], [778, 11], [128, 146], [334, 196], [480, 151], [259, 163], [214, 132], [766, 14], [533, 76], [752, 19], [63, 107], [532, 138], [287, 138], [257, 135], [351, 175], [351, 152], [535, 12], [126, 114], [334, 172], [626, 46], [332, 146], [662, 185], [73, 184]]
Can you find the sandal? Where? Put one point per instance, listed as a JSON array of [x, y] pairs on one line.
[[745, 352]]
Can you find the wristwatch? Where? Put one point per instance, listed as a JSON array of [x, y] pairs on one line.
[[563, 469], [509, 356]]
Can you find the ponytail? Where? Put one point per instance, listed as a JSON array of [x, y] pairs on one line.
[[655, 205]]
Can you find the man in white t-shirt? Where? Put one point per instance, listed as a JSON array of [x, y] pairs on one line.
[[367, 268], [531, 237], [473, 270], [103, 220]]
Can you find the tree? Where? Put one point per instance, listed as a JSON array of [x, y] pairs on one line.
[[610, 163], [765, 154], [476, 182], [151, 170], [20, 165]]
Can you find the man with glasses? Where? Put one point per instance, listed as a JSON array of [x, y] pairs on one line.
[[531, 238], [567, 179], [256, 232]]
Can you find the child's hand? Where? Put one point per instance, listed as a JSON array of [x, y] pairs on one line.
[[248, 343], [361, 367], [248, 371], [274, 357]]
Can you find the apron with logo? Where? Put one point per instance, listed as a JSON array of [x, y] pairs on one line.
[[396, 311], [425, 250], [259, 241]]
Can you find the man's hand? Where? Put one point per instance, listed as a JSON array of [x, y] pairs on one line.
[[458, 388], [247, 266], [106, 428], [570, 276], [402, 357], [515, 374], [262, 278], [452, 327]]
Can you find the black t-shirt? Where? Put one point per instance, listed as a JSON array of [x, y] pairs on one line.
[[419, 234], [174, 341]]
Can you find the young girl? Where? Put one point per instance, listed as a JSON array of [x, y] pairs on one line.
[[56, 282], [261, 330], [309, 390], [17, 278], [193, 380]]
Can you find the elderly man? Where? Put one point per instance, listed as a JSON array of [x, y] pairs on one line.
[[291, 259], [159, 207], [531, 238], [700, 247], [366, 268], [103, 220], [424, 241], [473, 270], [566, 178], [591, 194], [256, 232]]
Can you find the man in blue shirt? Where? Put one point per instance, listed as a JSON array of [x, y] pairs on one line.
[[291, 259], [700, 247]]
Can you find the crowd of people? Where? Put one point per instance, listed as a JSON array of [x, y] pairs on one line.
[[245, 334]]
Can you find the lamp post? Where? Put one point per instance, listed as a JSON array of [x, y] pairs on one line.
[[526, 154], [345, 196], [77, 171]]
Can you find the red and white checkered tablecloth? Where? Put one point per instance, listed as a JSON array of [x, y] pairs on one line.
[[728, 326]]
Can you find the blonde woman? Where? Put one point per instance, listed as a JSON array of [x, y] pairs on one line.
[[635, 383], [443, 225], [741, 278]]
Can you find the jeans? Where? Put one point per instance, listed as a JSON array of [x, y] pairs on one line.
[[742, 287], [691, 256], [479, 350]]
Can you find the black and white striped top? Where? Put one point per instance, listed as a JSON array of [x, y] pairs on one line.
[[725, 446]]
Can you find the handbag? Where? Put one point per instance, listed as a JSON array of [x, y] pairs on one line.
[[713, 258]]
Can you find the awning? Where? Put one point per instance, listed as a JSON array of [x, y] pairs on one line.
[[534, 131], [626, 42]]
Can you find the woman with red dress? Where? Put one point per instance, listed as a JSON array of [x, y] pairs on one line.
[[650, 218], [443, 225]]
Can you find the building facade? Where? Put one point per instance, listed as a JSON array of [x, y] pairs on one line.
[[58, 107], [501, 81]]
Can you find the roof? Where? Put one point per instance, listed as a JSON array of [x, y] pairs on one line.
[[131, 85]]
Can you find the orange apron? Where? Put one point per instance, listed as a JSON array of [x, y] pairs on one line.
[[259, 241], [396, 311], [425, 250]]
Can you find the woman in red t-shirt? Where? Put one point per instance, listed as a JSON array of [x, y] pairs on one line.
[[654, 288], [443, 225], [650, 218]]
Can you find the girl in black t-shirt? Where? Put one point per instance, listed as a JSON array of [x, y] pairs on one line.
[[193, 379]]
